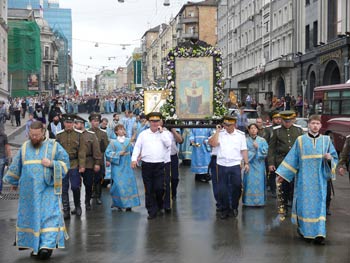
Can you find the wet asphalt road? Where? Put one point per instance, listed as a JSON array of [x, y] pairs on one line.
[[190, 233]]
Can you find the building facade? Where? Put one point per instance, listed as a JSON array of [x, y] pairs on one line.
[[198, 21], [257, 40], [50, 47], [106, 82], [195, 21], [323, 42], [4, 92]]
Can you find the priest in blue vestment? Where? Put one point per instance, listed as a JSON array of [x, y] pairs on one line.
[[254, 180], [37, 171], [200, 154], [311, 162], [123, 183]]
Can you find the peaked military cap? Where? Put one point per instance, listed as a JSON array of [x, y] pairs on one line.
[[229, 119], [288, 114], [275, 114], [154, 116], [68, 117], [95, 116], [79, 119]]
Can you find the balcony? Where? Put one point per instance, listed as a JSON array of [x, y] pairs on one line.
[[190, 35], [47, 59], [189, 20]]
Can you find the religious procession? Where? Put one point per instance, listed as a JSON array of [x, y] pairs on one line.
[[66, 154]]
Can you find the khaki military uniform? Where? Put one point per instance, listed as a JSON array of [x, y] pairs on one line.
[[102, 138], [281, 142], [265, 133], [74, 144], [93, 152], [93, 157], [344, 154], [103, 142]]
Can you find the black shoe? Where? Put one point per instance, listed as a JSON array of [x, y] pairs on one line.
[[328, 212], [44, 253], [88, 207], [235, 212], [66, 214], [98, 201], [320, 241], [128, 209], [150, 217], [224, 216], [167, 210], [160, 212], [77, 211]]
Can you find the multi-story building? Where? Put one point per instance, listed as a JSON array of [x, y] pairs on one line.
[[198, 21], [4, 92], [60, 22], [121, 74], [50, 46], [257, 40], [106, 82], [58, 18], [195, 21], [134, 70], [323, 44], [147, 43]]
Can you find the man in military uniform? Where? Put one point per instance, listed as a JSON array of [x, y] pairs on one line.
[[94, 158], [74, 144], [343, 166], [262, 131], [281, 141], [95, 119], [268, 131]]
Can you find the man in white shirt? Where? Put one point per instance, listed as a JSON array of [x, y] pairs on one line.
[[151, 148], [231, 149]]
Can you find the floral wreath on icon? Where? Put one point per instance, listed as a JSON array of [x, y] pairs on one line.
[[194, 50]]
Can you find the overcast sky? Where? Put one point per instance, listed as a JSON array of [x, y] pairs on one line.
[[107, 21]]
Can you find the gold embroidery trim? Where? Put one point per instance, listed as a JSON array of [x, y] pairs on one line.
[[309, 220], [32, 162], [312, 156], [289, 167], [43, 230], [12, 175]]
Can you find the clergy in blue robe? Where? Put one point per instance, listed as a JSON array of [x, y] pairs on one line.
[[254, 180], [185, 151], [311, 162], [123, 183], [37, 170], [200, 154]]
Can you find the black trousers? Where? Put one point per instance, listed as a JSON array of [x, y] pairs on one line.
[[88, 179], [153, 180]]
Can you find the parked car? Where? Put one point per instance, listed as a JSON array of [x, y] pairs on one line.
[[251, 114], [302, 122], [338, 129]]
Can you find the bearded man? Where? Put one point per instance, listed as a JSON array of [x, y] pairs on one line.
[[37, 171]]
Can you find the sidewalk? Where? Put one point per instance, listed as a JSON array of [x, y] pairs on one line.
[[12, 131]]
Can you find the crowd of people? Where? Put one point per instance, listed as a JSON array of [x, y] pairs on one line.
[[240, 161]]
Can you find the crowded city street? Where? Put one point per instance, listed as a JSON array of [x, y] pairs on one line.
[[192, 232]]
